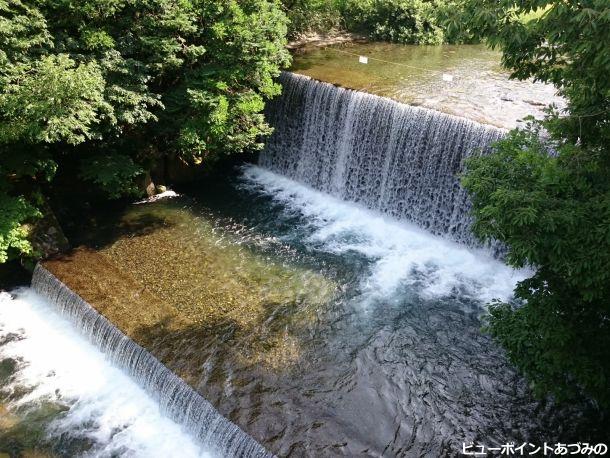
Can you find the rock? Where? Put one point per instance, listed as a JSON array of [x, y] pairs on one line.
[[146, 184], [316, 40], [535, 103], [150, 189], [160, 188], [47, 237]]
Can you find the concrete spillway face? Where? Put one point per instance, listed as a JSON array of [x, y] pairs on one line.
[[177, 399], [397, 159]]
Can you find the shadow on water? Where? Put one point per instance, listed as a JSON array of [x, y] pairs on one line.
[[206, 354], [291, 339], [112, 225], [398, 379]]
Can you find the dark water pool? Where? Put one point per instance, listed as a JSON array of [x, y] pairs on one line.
[[330, 330]]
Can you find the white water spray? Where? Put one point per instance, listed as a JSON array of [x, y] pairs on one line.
[[402, 253], [397, 159], [177, 400], [104, 406]]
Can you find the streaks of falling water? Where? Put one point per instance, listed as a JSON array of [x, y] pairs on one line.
[[177, 400], [394, 158], [60, 396]]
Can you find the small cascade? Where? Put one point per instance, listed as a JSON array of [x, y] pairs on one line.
[[177, 399], [401, 160]]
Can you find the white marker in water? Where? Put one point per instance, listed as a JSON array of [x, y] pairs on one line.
[[363, 60], [447, 77]]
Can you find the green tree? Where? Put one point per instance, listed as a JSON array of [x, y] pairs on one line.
[[313, 16], [545, 192], [116, 85], [400, 21]]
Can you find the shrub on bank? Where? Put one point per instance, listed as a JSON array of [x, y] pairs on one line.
[[100, 91], [552, 210], [398, 21], [313, 16]]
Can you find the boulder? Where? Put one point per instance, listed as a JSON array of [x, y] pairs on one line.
[[47, 236]]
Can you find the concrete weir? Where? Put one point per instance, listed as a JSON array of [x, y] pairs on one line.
[[177, 399], [304, 306]]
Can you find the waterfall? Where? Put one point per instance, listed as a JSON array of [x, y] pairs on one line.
[[177, 399], [390, 157]]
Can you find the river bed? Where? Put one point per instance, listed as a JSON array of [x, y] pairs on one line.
[[357, 334], [463, 80]]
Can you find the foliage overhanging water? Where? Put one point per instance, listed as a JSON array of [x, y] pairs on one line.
[[383, 356]]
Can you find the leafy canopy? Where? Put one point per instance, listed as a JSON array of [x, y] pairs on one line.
[[56, 100], [546, 195], [400, 21], [115, 86]]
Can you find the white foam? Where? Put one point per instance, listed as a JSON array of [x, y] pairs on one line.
[[169, 194], [402, 254], [105, 405]]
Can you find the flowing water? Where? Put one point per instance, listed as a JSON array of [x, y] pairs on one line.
[[175, 397], [479, 88], [400, 160], [327, 302], [59, 396], [360, 335]]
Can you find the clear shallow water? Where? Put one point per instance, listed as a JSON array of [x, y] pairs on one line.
[[480, 88], [395, 363], [60, 397], [392, 363]]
